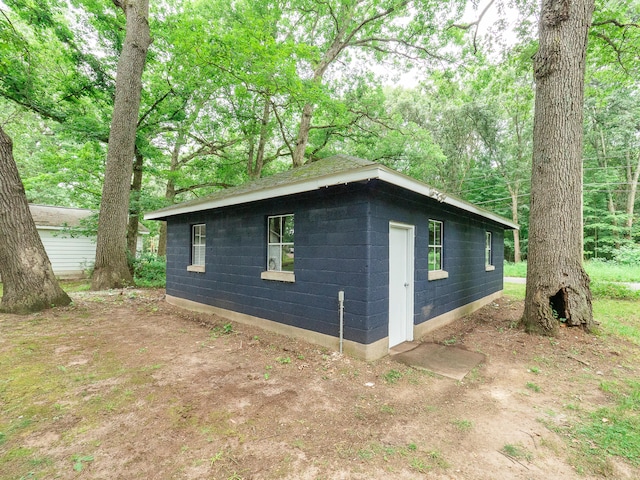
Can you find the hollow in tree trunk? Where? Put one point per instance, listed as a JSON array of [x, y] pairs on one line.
[[111, 266], [29, 282], [557, 285]]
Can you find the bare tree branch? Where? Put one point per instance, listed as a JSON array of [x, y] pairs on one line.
[[616, 23], [191, 188], [475, 23]]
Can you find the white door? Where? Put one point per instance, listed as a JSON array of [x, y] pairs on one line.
[[400, 283]]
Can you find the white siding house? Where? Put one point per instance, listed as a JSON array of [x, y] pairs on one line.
[[70, 256]]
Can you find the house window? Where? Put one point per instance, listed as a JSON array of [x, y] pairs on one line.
[[435, 245], [488, 253], [198, 247], [435, 251], [280, 248]]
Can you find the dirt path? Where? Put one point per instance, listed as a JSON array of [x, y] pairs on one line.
[[126, 386]]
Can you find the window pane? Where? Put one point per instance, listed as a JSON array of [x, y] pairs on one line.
[[275, 230], [198, 255], [280, 246], [287, 229], [437, 235], [435, 258], [274, 260], [198, 244], [487, 249], [287, 258]]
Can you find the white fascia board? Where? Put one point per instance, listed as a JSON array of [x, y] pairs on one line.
[[273, 192], [409, 183]]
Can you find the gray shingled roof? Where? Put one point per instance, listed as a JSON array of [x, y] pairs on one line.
[[49, 216], [59, 217], [321, 168], [339, 169]]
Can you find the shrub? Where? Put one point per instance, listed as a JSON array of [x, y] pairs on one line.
[[150, 271], [628, 255]]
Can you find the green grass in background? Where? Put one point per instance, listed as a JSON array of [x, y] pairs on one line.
[[597, 270]]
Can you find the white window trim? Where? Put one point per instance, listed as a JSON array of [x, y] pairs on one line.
[[273, 274], [198, 267], [438, 274], [441, 273], [288, 277], [488, 247]]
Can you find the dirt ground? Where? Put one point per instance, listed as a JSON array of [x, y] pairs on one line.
[[131, 387]]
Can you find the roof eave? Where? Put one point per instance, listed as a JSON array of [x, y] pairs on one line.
[[401, 180], [366, 173], [307, 185]]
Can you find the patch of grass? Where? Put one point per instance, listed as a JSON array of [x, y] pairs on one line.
[[608, 431], [618, 317], [612, 271], [283, 360], [598, 271], [80, 460], [600, 289], [219, 330], [515, 291], [387, 409], [463, 425], [532, 386], [433, 459], [517, 451], [515, 269], [392, 376]]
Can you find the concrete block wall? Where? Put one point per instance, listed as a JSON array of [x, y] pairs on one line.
[[463, 253], [341, 243], [331, 254]]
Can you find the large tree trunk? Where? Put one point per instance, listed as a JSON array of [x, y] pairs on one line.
[[633, 176], [170, 190], [111, 267], [134, 213], [29, 282], [303, 135], [557, 285], [517, 255]]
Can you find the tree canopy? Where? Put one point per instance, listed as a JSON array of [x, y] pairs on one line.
[[227, 88]]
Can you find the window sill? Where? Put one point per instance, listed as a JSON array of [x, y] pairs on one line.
[[489, 268], [195, 268], [288, 277], [438, 274]]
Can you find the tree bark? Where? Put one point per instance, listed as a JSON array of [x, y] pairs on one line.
[[557, 285], [633, 175], [134, 213], [111, 266], [303, 135], [29, 282], [517, 255], [170, 189]]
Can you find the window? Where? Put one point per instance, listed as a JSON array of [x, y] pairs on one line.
[[435, 245], [488, 253], [280, 250], [435, 251], [198, 247]]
